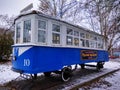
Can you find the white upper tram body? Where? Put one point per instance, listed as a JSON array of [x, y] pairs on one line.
[[42, 30]]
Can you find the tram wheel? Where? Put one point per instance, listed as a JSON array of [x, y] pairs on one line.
[[47, 74], [66, 74], [82, 66], [34, 76], [100, 65]]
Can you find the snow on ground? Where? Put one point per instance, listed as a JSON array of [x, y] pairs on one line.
[[111, 82], [6, 74], [114, 80], [108, 67], [112, 65]]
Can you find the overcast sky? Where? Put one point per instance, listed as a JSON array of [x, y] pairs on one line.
[[13, 7]]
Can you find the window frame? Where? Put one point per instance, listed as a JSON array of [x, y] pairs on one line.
[[41, 29], [82, 36], [19, 33], [71, 36], [74, 35], [28, 32], [69, 42], [82, 39], [55, 32]]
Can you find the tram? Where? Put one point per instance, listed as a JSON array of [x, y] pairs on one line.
[[45, 44]]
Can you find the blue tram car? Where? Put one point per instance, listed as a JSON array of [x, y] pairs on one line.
[[46, 44]]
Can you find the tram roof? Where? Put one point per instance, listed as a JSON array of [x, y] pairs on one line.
[[54, 18]]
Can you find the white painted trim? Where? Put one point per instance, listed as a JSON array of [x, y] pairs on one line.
[[33, 30], [23, 49], [63, 35], [57, 46]]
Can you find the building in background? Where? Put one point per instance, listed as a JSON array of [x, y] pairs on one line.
[[115, 52]]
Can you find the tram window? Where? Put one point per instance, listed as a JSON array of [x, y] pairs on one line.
[[87, 36], [41, 36], [69, 31], [76, 41], [95, 38], [55, 34], [56, 38], [91, 37], [100, 42], [82, 35], [41, 24], [27, 31], [87, 43], [100, 45], [76, 33], [95, 44], [98, 38], [18, 29], [69, 40], [41, 31], [92, 44], [83, 42], [56, 28]]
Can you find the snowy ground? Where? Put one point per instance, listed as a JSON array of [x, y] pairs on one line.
[[6, 74], [111, 82], [108, 67]]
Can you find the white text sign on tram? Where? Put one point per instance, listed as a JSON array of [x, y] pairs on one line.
[[26, 62]]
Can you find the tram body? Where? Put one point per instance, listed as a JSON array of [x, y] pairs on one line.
[[46, 44]]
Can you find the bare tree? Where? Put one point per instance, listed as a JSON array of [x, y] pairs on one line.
[[57, 8], [6, 22], [104, 15]]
